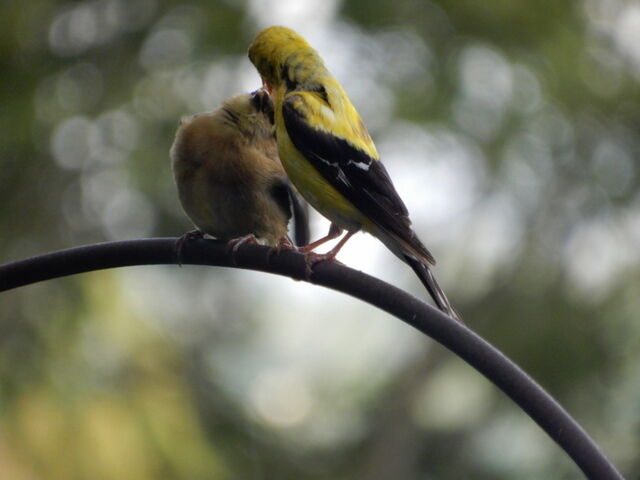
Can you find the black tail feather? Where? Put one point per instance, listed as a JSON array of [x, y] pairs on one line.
[[300, 213], [430, 283]]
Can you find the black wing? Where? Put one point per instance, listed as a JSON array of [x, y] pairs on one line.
[[362, 180]]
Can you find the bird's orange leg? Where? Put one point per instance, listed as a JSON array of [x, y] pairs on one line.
[[334, 232], [311, 258], [235, 243]]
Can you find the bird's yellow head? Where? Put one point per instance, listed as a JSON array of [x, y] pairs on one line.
[[284, 58]]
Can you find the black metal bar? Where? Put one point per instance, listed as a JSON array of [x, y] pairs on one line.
[[481, 355]]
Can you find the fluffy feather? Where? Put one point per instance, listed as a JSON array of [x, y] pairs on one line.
[[229, 177]]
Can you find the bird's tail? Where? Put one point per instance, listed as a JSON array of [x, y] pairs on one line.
[[300, 213], [429, 281], [410, 249]]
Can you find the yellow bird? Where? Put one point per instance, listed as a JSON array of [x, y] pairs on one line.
[[330, 157], [230, 180]]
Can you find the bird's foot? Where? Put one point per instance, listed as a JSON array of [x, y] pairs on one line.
[[313, 258], [284, 245], [235, 243], [179, 245], [334, 232]]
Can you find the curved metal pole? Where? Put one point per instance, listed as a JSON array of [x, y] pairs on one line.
[[477, 352]]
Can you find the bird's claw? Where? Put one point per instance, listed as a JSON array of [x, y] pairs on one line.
[[179, 245], [235, 243], [284, 245], [312, 258]]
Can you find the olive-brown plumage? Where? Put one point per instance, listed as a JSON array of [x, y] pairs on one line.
[[229, 177]]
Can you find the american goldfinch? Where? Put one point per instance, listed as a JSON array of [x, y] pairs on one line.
[[330, 157], [230, 181]]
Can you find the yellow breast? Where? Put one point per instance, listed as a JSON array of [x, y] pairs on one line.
[[316, 190]]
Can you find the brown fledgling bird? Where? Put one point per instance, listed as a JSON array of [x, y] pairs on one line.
[[229, 177]]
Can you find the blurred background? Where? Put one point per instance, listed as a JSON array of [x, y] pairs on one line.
[[511, 130]]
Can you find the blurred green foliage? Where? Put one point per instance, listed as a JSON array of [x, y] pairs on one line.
[[511, 129]]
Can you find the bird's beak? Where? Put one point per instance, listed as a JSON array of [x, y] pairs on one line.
[[267, 86]]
